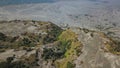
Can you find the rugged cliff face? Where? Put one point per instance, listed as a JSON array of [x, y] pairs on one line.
[[38, 44]]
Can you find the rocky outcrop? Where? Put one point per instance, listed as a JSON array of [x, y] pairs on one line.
[[94, 54]]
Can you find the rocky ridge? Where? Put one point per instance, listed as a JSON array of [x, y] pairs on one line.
[[38, 44]]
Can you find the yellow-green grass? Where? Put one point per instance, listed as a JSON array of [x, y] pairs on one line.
[[70, 54]]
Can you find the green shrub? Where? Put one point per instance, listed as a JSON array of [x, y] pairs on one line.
[[16, 64], [70, 65], [27, 42], [56, 52], [3, 65], [116, 48], [2, 37], [51, 54], [53, 34], [64, 45]]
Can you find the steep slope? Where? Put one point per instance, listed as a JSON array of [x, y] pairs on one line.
[[96, 52], [38, 44]]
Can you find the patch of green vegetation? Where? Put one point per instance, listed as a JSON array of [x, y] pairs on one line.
[[70, 65], [57, 51], [7, 42], [116, 47], [9, 64], [53, 32], [52, 54], [27, 39], [27, 62], [64, 45], [113, 47], [27, 42], [17, 64], [71, 46], [2, 37], [31, 60], [16, 42], [68, 48]]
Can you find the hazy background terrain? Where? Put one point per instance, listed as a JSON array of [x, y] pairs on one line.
[[81, 13], [13, 2]]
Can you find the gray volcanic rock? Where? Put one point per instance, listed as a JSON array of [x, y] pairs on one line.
[[93, 53]]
